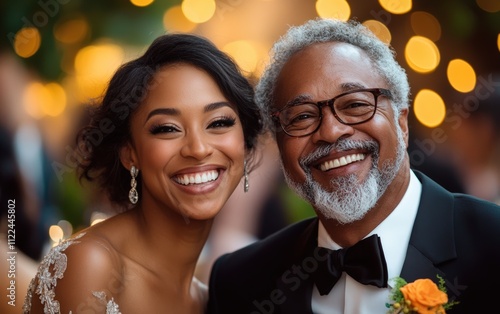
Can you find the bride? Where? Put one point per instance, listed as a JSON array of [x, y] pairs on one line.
[[179, 131]]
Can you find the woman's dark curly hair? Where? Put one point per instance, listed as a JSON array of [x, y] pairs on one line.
[[109, 128]]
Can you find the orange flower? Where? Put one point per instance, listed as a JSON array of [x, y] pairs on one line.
[[425, 296]]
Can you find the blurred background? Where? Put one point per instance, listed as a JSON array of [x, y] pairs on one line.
[[56, 56]]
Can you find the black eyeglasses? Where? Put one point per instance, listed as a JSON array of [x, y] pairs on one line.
[[353, 107]]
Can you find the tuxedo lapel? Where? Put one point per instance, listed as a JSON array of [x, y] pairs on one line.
[[432, 239], [296, 281], [418, 266]]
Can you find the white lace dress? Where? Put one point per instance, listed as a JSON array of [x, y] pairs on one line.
[[52, 269]]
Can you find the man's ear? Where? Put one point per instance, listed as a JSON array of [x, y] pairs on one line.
[[128, 156], [403, 124]]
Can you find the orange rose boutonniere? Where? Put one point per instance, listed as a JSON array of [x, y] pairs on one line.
[[422, 296]]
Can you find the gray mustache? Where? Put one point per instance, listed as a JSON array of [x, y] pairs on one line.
[[339, 146]]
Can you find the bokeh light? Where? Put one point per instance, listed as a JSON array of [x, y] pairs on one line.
[[35, 95], [244, 53], [141, 3], [338, 9], [396, 7], [97, 217], [41, 100], [174, 20], [27, 41], [66, 227], [94, 66], [491, 6], [379, 29], [426, 25], [57, 102], [429, 108], [421, 54], [461, 75], [198, 11], [72, 31], [56, 233]]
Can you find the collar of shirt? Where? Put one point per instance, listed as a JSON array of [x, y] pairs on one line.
[[394, 233]]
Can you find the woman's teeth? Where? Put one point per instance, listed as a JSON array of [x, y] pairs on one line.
[[198, 178]]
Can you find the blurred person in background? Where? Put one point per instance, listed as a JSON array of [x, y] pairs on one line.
[[24, 147], [25, 192], [179, 131], [16, 266], [474, 132]]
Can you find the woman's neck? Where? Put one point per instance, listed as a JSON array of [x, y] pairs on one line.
[[172, 238]]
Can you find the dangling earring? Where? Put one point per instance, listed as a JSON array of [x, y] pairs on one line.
[[133, 195], [246, 185]]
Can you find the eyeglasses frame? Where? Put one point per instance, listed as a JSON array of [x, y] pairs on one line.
[[329, 102]]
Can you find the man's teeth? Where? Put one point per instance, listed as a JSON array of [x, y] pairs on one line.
[[342, 161], [197, 178]]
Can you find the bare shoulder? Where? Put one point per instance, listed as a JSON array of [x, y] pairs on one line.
[[93, 266], [93, 258], [82, 273]]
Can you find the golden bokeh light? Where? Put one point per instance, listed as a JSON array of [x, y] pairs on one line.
[[338, 9], [426, 25], [396, 7], [244, 53], [72, 31], [429, 108], [491, 6], [57, 102], [421, 54], [498, 41], [379, 29], [175, 20], [35, 95], [27, 42], [41, 100], [94, 66], [141, 3], [461, 75], [56, 233], [198, 11]]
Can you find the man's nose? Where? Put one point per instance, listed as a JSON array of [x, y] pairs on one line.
[[331, 129]]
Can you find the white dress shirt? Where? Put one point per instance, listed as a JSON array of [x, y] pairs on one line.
[[350, 297]]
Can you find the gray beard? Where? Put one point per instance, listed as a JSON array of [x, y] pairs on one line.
[[350, 200]]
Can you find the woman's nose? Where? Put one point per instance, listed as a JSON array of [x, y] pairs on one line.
[[196, 146]]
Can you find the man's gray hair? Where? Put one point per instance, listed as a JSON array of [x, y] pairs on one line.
[[329, 30]]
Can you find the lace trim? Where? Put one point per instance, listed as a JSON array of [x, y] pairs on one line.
[[45, 281], [111, 306]]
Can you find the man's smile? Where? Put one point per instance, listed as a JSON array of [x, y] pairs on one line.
[[342, 161]]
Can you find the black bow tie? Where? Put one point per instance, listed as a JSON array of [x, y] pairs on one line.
[[364, 261]]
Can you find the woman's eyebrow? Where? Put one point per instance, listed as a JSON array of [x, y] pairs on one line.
[[176, 112], [163, 111], [216, 105]]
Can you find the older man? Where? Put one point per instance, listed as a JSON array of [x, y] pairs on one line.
[[339, 105]]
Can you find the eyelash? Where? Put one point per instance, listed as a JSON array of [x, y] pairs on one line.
[[162, 128], [222, 122]]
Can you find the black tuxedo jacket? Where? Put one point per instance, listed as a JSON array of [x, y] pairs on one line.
[[455, 236]]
